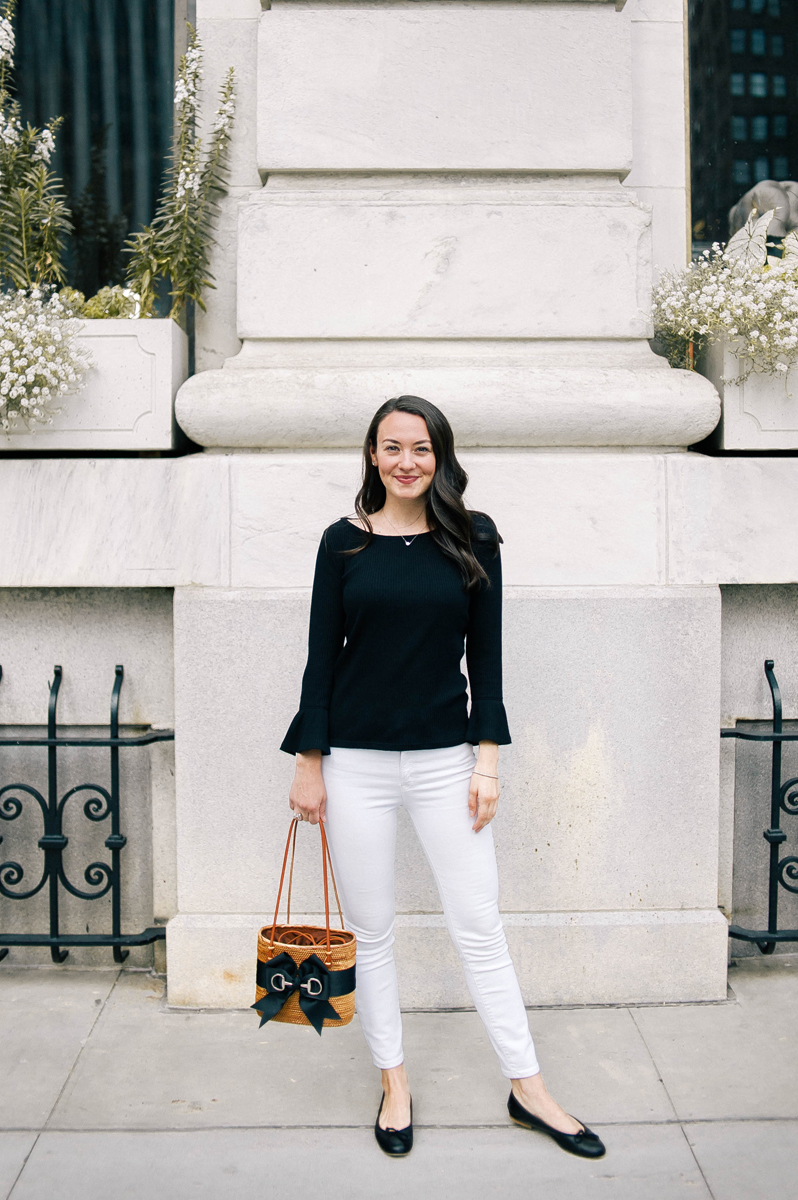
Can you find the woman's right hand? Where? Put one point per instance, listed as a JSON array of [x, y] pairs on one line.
[[308, 796]]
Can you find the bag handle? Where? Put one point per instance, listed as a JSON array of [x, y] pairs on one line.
[[325, 860]]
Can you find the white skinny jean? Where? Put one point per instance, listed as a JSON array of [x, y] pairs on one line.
[[364, 791]]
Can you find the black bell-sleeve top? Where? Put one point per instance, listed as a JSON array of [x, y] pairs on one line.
[[387, 631]]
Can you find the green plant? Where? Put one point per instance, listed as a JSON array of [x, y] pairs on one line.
[[114, 301], [34, 218], [176, 245], [737, 293]]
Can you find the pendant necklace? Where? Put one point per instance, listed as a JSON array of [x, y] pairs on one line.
[[407, 541]]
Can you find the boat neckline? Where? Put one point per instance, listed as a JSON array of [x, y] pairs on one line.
[[396, 537]]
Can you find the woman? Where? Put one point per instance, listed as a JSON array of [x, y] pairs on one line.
[[383, 721]]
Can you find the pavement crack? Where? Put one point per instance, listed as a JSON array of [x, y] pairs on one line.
[[86, 1040], [697, 1163], [11, 1190], [654, 1064]]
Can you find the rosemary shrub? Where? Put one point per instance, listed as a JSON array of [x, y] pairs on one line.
[[176, 245], [738, 293]]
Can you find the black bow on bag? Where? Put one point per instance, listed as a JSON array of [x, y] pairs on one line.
[[281, 977]]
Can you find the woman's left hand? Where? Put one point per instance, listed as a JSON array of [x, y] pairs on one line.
[[483, 795]]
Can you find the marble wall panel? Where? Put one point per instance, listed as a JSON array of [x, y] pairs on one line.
[[113, 522], [480, 261], [87, 631], [444, 87], [730, 520], [610, 786], [566, 519]]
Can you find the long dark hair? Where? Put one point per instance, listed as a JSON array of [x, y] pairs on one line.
[[450, 522]]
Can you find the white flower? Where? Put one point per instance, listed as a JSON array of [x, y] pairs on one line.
[[40, 357], [187, 181], [44, 147], [6, 40], [9, 133]]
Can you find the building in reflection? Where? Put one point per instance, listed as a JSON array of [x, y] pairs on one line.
[[743, 104]]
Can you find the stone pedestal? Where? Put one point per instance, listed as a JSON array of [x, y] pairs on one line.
[[447, 209], [608, 833], [444, 212]]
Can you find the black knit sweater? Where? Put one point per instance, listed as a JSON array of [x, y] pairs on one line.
[[387, 632]]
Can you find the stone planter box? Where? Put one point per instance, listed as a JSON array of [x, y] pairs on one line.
[[760, 414], [127, 398]]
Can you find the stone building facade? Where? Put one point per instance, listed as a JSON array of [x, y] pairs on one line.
[[466, 200]]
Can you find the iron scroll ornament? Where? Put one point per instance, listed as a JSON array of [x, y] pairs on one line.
[[102, 804], [788, 870], [97, 874], [314, 982], [788, 799], [782, 872]]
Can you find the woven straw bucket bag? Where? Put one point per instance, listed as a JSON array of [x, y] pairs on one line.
[[306, 973]]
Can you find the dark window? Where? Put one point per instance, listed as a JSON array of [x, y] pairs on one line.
[[107, 69], [728, 92], [757, 41], [777, 45]]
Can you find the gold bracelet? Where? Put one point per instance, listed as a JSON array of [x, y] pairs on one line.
[[484, 776]]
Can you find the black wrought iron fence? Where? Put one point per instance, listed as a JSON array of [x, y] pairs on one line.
[[783, 872], [104, 804]]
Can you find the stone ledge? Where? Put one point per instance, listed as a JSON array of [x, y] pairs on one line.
[[561, 958], [278, 395]]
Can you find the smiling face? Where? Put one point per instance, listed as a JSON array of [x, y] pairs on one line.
[[404, 456]]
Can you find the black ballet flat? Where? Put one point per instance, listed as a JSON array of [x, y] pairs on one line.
[[396, 1142], [586, 1143]]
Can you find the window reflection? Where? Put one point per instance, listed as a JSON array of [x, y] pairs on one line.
[[742, 172]]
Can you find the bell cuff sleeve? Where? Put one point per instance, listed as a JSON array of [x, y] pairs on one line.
[[488, 723], [488, 720], [309, 730]]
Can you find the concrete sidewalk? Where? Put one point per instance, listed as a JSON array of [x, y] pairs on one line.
[[107, 1093]]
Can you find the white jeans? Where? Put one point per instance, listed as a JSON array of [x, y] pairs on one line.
[[364, 791]]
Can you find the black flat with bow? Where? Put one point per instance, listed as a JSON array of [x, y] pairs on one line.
[[396, 1142], [586, 1143]]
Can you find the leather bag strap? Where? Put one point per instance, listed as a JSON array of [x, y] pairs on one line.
[[326, 861]]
